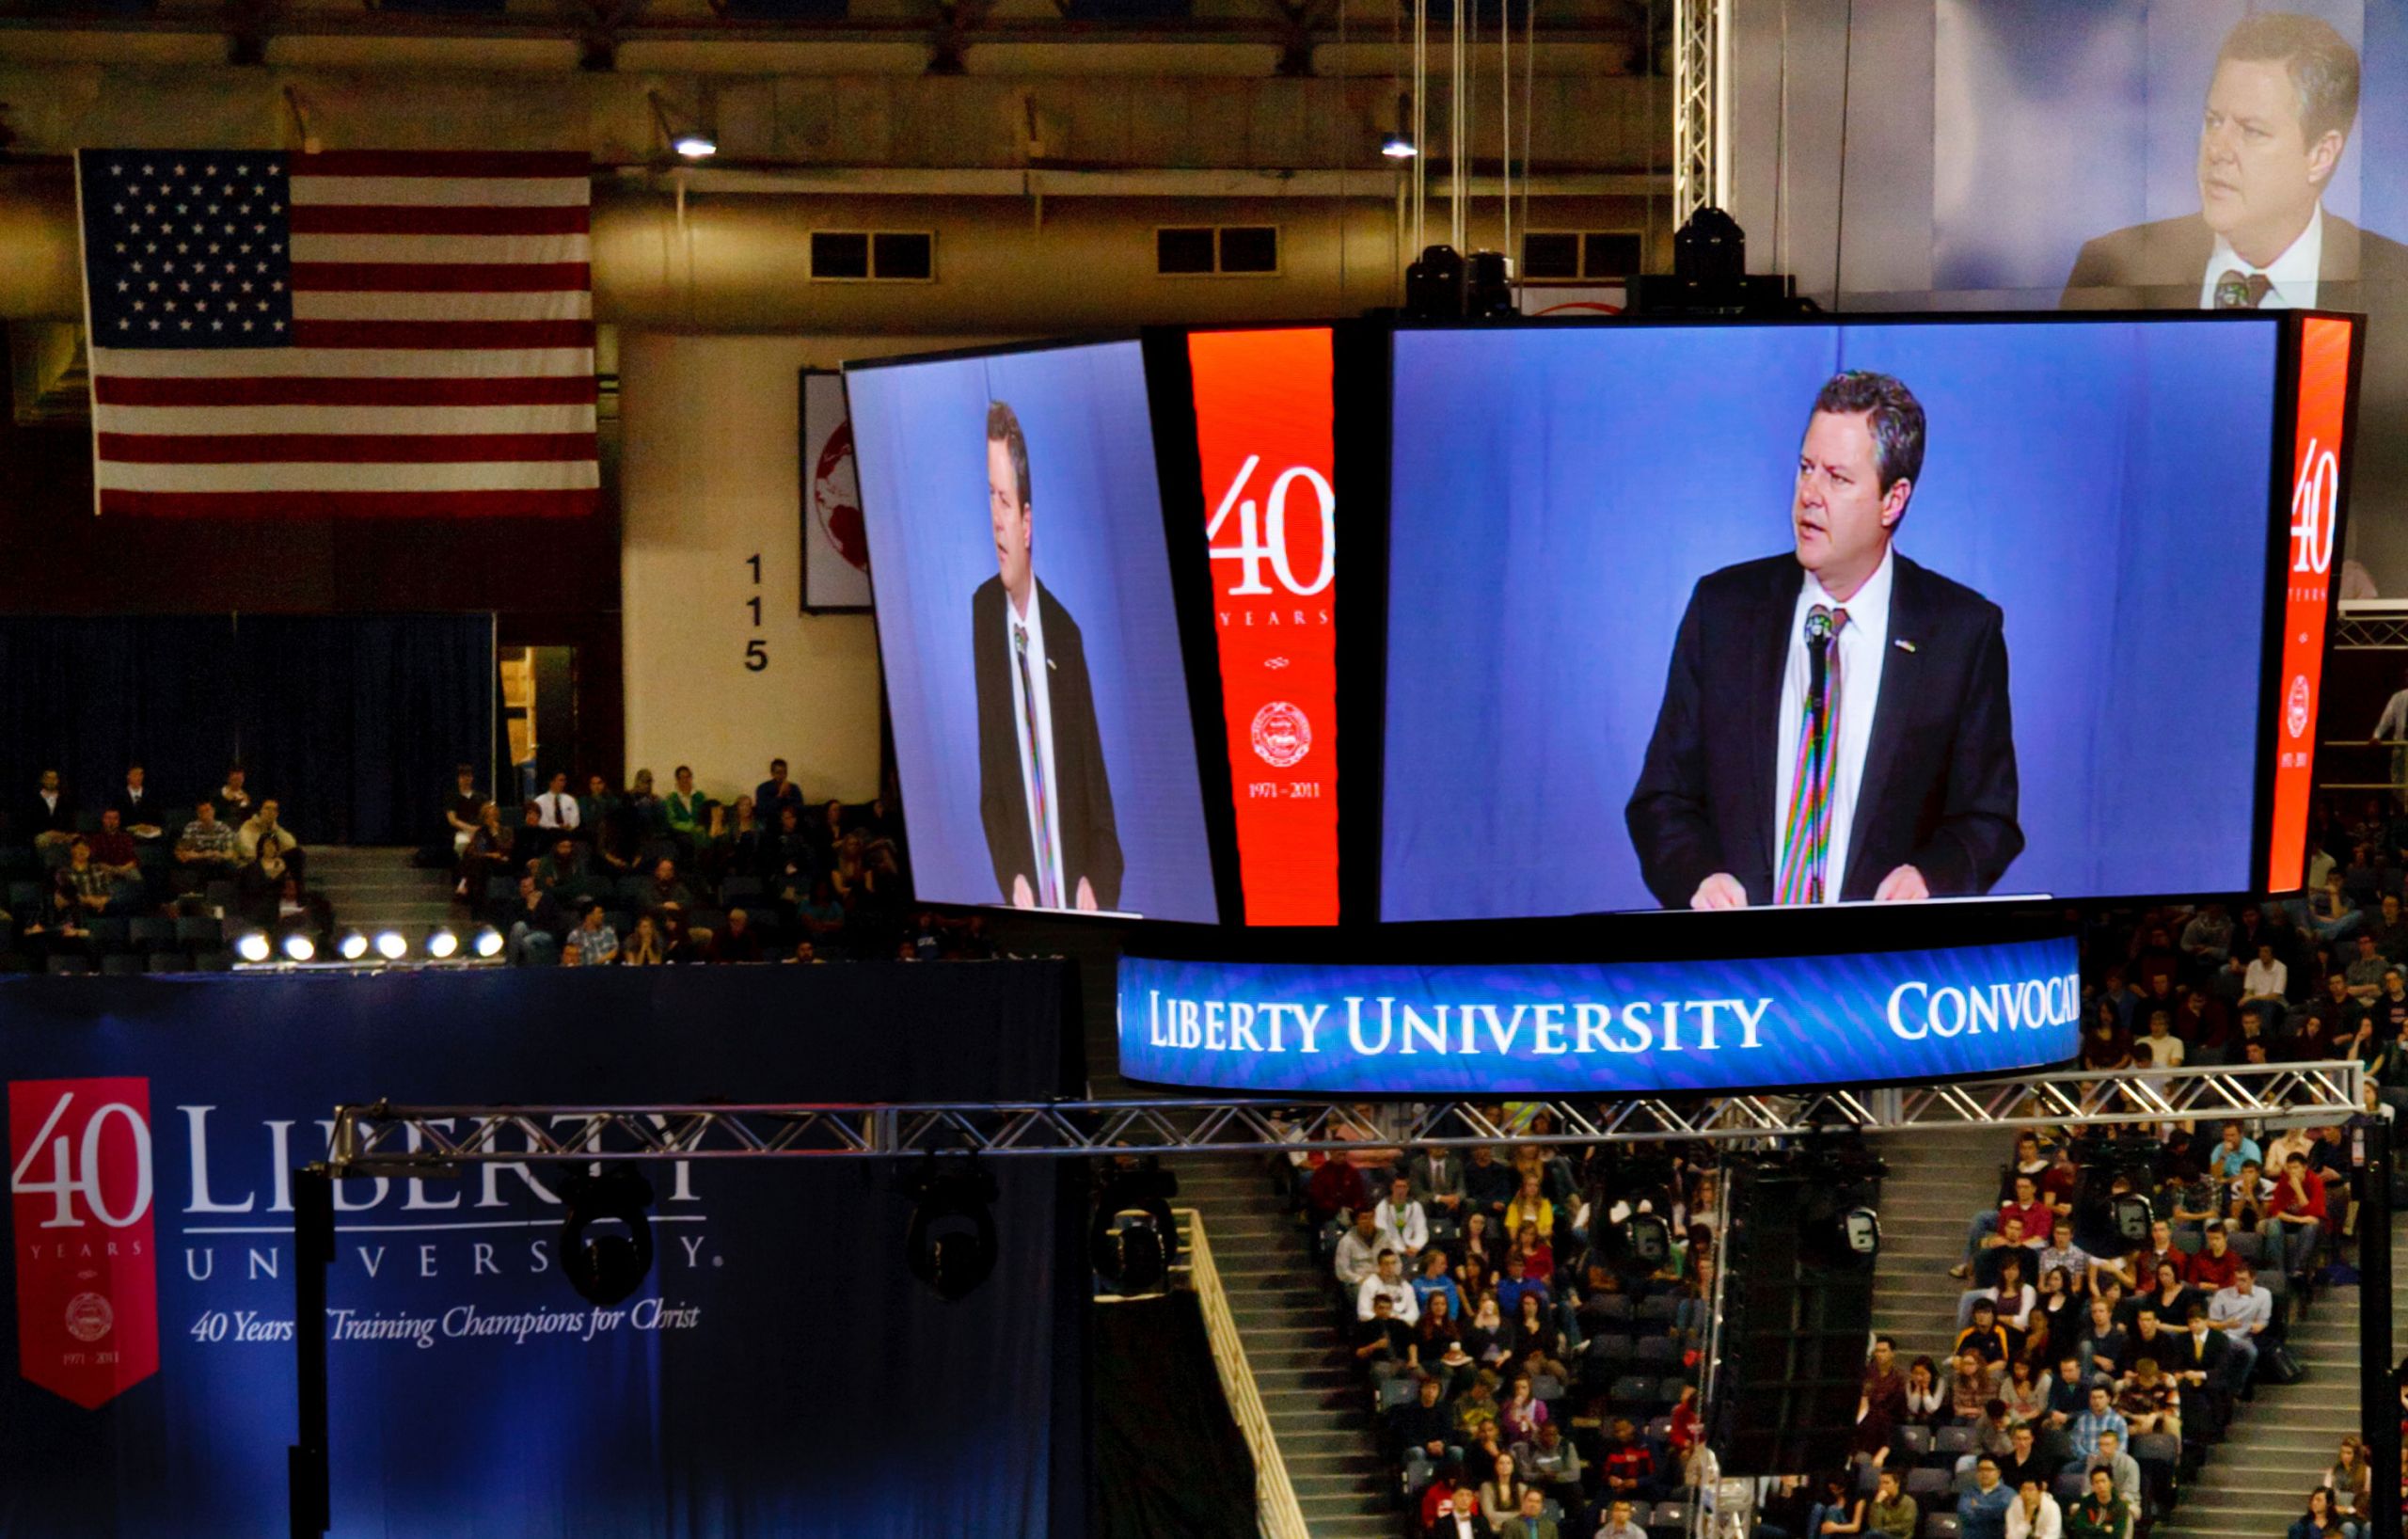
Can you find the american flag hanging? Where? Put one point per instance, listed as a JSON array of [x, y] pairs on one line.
[[362, 333]]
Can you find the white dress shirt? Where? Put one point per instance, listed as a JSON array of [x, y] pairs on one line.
[[2292, 274], [1863, 645], [557, 810], [1049, 845]]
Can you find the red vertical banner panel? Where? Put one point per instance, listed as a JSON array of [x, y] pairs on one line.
[[1263, 432], [80, 1191], [2317, 457]]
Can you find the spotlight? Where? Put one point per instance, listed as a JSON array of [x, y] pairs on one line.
[[299, 948], [351, 945], [606, 1270], [488, 941], [1860, 1232], [1641, 1244], [1133, 1238], [443, 942], [390, 946], [2132, 1215], [691, 141], [252, 947], [950, 1245], [1398, 147]]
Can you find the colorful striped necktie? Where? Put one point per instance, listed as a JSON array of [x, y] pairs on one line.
[[1047, 894], [1806, 840]]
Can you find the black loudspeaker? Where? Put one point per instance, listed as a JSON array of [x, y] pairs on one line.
[[1797, 1315]]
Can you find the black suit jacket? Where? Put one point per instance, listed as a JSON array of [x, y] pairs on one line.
[[38, 817], [1090, 837], [130, 812], [2161, 267], [1939, 789]]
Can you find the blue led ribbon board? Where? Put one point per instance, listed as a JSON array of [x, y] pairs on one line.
[[1599, 1028]]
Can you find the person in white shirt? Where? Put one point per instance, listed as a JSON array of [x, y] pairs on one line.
[[1388, 1283], [2265, 978], [2392, 727], [2035, 1515], [1402, 1226], [2243, 1310], [557, 807]]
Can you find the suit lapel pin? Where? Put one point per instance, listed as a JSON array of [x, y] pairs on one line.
[[1903, 644]]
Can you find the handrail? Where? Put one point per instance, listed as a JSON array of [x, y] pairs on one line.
[[1277, 1513]]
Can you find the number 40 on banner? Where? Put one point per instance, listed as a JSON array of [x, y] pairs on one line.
[[1262, 532]]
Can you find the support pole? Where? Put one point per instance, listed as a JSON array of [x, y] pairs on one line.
[[2378, 1386], [313, 1252]]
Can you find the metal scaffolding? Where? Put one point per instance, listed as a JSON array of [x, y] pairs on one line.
[[1700, 40], [385, 1140]]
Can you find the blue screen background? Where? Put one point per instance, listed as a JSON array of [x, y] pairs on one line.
[[1556, 495], [920, 441]]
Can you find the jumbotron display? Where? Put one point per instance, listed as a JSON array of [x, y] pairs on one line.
[[1042, 728], [1724, 616]]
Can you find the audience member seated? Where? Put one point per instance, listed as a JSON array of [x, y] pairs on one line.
[[1462, 1519], [663, 888], [486, 855], [536, 924], [205, 850], [1404, 1228], [1617, 1523], [1981, 1513], [463, 810], [686, 813], [642, 946], [135, 805], [1384, 1344], [2243, 1310], [262, 834], [592, 942], [1892, 1514], [736, 941], [234, 802], [1358, 1248], [556, 809], [773, 795], [2100, 1513], [1424, 1424], [1530, 1519], [2322, 1520], [82, 889], [47, 820], [2034, 1514], [1387, 1281], [113, 847]]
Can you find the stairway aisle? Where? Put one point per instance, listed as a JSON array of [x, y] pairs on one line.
[[1279, 1295], [2280, 1445], [1939, 1178], [373, 887]]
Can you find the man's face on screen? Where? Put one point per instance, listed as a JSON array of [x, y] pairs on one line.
[[2259, 177], [1841, 516], [1010, 515]]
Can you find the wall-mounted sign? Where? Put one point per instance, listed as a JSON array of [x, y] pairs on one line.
[[1601, 1028]]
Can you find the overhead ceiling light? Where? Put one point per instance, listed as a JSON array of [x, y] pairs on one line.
[[488, 941], [690, 140], [351, 945], [443, 942], [390, 946], [251, 946], [299, 948]]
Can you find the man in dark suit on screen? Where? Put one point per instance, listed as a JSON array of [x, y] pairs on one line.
[[1042, 792], [1835, 724], [2278, 114]]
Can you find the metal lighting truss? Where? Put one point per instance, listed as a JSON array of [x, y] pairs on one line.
[[1697, 40], [386, 1140]]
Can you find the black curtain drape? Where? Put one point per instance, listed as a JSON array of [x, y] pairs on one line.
[[353, 724], [1169, 1460], [356, 724]]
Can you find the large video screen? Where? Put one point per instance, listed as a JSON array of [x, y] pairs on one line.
[[1025, 623], [1721, 615]]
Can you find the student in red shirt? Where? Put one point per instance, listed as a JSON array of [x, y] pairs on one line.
[[2213, 1267], [2295, 1217]]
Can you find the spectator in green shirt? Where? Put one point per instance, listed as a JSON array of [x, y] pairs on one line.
[[2099, 1514], [1892, 1514]]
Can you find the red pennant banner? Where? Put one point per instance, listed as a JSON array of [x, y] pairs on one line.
[[80, 1188]]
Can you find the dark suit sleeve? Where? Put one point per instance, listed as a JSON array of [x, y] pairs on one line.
[[1978, 836], [1093, 849], [1670, 828], [2093, 270], [999, 797]]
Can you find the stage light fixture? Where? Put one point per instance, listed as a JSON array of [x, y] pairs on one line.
[[443, 942], [351, 945], [691, 141], [1398, 143], [390, 946], [606, 1269], [1861, 1232], [488, 941], [1133, 1239], [950, 1243], [298, 948], [252, 946], [2132, 1217], [1641, 1244]]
